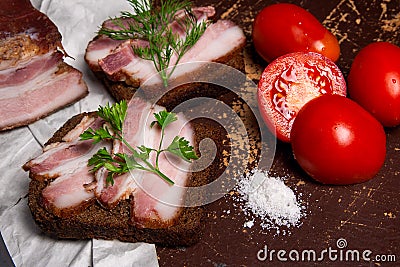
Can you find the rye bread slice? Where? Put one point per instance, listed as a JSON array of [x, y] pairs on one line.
[[100, 223]]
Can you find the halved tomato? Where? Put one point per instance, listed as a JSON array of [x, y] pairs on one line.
[[291, 81]]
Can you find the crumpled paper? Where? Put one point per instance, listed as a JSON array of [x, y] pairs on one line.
[[77, 20]]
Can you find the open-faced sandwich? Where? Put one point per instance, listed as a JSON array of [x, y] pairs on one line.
[[130, 191], [131, 49]]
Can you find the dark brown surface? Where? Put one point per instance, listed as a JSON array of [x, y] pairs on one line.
[[366, 215]]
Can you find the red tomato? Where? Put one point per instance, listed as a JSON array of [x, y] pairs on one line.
[[289, 82], [374, 81], [285, 28], [336, 141]]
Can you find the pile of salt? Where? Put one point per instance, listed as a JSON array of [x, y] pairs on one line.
[[269, 199]]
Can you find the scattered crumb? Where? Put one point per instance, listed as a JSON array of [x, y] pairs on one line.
[[389, 215], [301, 182]]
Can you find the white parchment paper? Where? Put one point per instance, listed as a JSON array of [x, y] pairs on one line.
[[77, 20]]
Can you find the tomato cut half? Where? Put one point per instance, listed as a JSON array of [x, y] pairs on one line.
[[292, 80]]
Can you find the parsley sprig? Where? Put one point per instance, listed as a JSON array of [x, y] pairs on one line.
[[153, 24], [120, 163]]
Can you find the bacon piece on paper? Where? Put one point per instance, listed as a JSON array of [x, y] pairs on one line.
[[34, 80]]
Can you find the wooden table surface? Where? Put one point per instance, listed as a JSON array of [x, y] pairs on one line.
[[366, 216]]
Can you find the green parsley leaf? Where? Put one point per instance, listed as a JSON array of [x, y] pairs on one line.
[[98, 160], [164, 118], [180, 147], [114, 115], [120, 163], [98, 135], [143, 153], [151, 21]]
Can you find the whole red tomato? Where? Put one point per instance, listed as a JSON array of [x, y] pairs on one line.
[[289, 82], [336, 141], [374, 81], [285, 28]]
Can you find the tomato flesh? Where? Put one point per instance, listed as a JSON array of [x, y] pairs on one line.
[[291, 81], [374, 81], [285, 28], [336, 141]]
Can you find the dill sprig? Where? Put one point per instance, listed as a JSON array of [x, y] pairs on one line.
[[153, 24], [120, 163]]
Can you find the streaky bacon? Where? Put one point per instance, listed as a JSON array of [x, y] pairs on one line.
[[111, 195], [61, 158], [119, 58], [73, 184], [69, 194], [34, 80], [87, 122], [156, 204], [99, 48], [30, 69], [23, 104], [138, 120], [120, 63], [218, 40], [200, 13]]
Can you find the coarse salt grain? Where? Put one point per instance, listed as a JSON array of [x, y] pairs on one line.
[[269, 199], [249, 224]]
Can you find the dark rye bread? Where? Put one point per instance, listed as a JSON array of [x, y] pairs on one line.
[[100, 223]]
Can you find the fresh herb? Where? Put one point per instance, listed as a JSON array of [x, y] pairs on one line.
[[153, 24], [120, 163]]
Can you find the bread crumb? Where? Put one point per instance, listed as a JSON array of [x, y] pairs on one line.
[[389, 214], [301, 182]]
